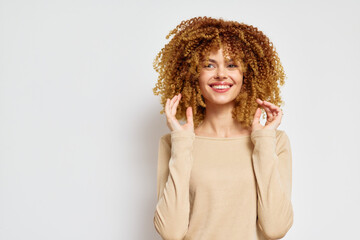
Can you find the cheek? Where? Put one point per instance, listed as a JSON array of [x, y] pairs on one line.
[[203, 80], [202, 86], [237, 77]]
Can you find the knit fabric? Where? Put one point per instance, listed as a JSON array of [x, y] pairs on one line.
[[224, 188]]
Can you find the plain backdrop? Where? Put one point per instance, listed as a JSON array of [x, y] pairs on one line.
[[79, 124]]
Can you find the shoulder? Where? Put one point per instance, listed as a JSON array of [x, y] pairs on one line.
[[282, 140], [281, 135], [165, 140], [278, 134]]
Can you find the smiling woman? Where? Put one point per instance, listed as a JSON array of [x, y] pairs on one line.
[[221, 175], [179, 65]]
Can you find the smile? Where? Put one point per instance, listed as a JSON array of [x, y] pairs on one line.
[[220, 88]]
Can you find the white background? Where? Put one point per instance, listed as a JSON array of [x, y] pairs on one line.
[[79, 124]]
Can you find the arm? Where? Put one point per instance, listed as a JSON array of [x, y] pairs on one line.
[[272, 163], [171, 217]]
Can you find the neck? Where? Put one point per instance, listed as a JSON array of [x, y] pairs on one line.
[[218, 121]]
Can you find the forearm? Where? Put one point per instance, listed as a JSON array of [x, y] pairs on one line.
[[171, 217], [273, 176]]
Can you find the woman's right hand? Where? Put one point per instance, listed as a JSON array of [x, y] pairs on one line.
[[170, 111]]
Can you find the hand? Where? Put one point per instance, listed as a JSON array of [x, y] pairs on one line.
[[172, 122], [274, 115]]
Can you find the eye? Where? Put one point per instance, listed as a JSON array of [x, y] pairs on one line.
[[209, 65], [233, 66]]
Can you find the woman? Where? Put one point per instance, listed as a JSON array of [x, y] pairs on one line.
[[222, 174]]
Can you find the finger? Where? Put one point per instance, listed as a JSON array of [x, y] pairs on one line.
[[173, 110], [257, 115], [272, 106], [274, 109], [189, 116], [172, 102], [259, 101], [269, 113], [167, 107]]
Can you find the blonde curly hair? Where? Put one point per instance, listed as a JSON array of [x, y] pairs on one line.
[[178, 65]]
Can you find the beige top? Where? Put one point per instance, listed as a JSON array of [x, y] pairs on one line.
[[224, 188]]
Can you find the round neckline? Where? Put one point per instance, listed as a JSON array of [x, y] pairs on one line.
[[223, 139]]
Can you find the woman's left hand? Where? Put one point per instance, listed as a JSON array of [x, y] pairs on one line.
[[274, 115]]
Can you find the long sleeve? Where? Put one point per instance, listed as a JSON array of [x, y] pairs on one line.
[[272, 161], [171, 218]]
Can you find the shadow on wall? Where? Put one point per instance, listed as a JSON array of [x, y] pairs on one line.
[[148, 133]]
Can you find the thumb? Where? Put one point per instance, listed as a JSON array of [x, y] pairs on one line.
[[257, 115], [189, 115]]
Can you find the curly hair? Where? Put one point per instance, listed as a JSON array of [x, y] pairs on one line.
[[178, 65]]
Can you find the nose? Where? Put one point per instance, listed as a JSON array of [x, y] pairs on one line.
[[221, 73]]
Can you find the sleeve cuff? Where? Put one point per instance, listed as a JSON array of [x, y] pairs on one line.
[[263, 133], [177, 134]]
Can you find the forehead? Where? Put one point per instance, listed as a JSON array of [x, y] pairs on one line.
[[218, 53]]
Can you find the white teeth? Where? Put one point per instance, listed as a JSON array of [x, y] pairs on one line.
[[220, 86]]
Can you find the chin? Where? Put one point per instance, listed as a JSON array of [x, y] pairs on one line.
[[221, 101]]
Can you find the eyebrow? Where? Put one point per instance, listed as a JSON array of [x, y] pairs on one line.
[[212, 60]]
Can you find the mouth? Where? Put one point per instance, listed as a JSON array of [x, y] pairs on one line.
[[220, 88]]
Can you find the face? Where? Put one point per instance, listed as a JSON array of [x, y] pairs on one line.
[[220, 79]]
